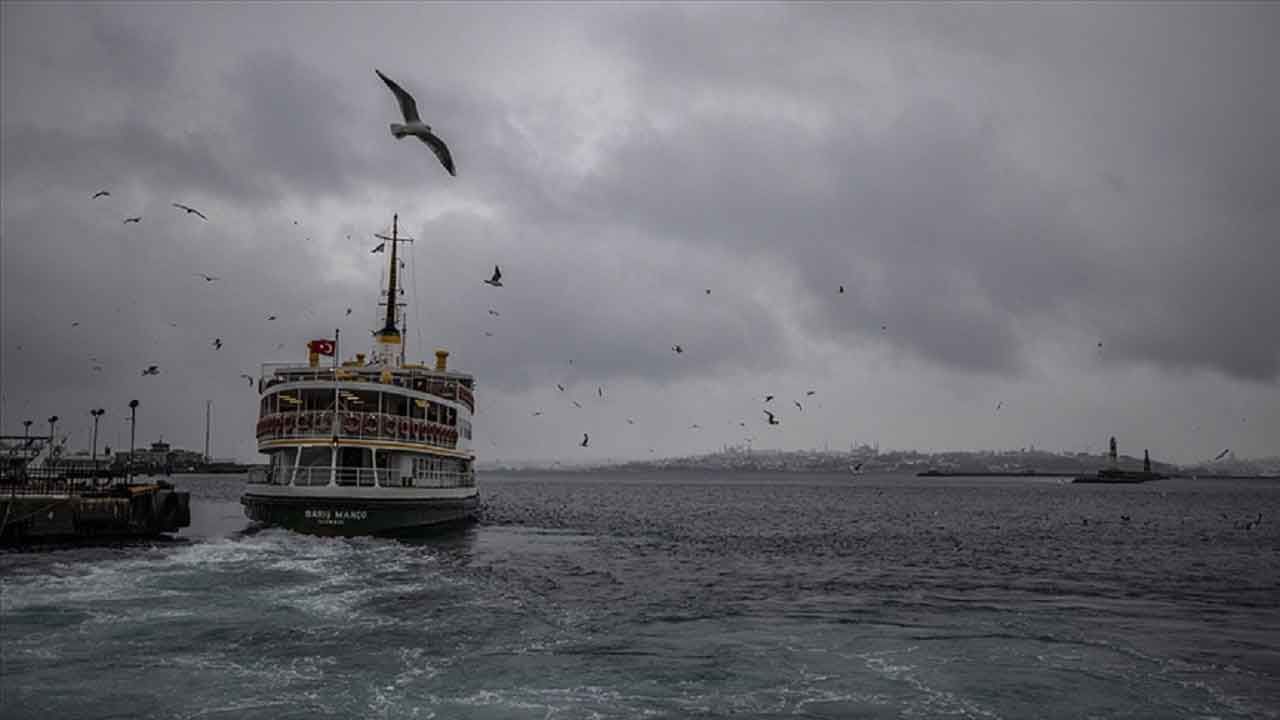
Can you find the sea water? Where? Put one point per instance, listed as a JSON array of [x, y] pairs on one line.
[[676, 596]]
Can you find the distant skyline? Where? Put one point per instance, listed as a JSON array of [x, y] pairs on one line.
[[1052, 223]]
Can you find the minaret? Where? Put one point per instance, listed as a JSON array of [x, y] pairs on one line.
[[387, 341]]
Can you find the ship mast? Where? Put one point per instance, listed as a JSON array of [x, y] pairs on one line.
[[389, 336]]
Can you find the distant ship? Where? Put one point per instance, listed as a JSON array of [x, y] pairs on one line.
[[370, 446]]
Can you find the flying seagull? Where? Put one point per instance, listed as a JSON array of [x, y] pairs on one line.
[[414, 125], [768, 398], [841, 290], [271, 317], [772, 420], [190, 210], [494, 313], [559, 387], [217, 343], [152, 370], [708, 291], [132, 220], [207, 278], [537, 413], [630, 421], [677, 349], [247, 377], [75, 324], [999, 405], [379, 248], [797, 402], [488, 334], [496, 280], [1222, 454], [600, 391], [695, 426], [576, 404], [101, 193], [348, 311], [811, 392], [585, 440]]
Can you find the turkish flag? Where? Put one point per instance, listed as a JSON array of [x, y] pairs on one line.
[[321, 347]]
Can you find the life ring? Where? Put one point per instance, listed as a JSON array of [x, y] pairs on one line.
[[370, 424], [388, 425], [304, 422], [351, 424], [324, 422]]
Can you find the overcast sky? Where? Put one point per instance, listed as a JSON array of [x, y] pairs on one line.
[[998, 188]]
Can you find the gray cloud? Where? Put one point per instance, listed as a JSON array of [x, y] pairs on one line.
[[994, 184]]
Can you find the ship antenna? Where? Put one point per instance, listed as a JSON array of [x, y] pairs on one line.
[[389, 335]]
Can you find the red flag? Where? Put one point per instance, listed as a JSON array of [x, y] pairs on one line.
[[321, 347]]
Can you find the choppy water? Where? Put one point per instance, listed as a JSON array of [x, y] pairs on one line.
[[701, 596]]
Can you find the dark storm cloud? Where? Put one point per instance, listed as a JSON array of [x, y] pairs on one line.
[[967, 252]]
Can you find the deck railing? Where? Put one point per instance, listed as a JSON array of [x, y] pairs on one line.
[[446, 389], [356, 426], [357, 477]]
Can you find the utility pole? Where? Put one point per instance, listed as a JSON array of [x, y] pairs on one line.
[[133, 427], [208, 408]]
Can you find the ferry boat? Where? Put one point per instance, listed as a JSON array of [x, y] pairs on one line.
[[369, 446]]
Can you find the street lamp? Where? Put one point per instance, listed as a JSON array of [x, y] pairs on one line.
[[96, 414], [133, 425]]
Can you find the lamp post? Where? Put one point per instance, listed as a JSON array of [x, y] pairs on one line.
[[133, 425], [98, 413]]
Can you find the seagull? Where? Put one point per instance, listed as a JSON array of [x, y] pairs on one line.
[[600, 391], [797, 402], [708, 291], [576, 403], [1222, 454], [379, 248], [999, 405], [841, 291], [348, 311], [857, 467], [496, 280], [133, 220], [811, 392], [677, 349], [559, 387], [494, 313], [695, 426], [97, 368], [414, 126], [190, 210], [886, 327], [217, 343], [585, 440], [247, 377], [100, 193], [537, 413], [768, 398], [630, 421], [207, 278], [152, 370], [488, 334], [75, 324], [772, 420], [271, 317]]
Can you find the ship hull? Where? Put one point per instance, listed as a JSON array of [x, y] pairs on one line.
[[346, 516]]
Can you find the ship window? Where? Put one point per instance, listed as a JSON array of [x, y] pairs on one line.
[[433, 412], [316, 399], [394, 404]]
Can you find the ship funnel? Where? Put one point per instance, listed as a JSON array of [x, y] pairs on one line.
[[442, 360]]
